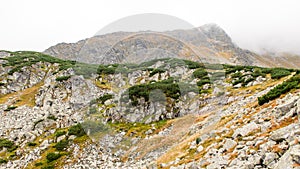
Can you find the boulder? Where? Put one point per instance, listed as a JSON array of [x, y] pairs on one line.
[[245, 130], [295, 153], [229, 144]]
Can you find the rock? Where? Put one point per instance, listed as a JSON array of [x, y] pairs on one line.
[[44, 145], [229, 144], [282, 134], [60, 138], [295, 153], [269, 157], [246, 130], [107, 102], [284, 108], [200, 148], [238, 85]]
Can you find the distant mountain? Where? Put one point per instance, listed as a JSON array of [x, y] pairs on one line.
[[208, 43]]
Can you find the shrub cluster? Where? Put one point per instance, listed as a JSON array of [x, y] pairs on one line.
[[76, 130], [200, 73], [2, 161], [158, 70], [52, 157], [169, 87], [62, 145], [62, 78], [103, 98], [20, 59], [283, 88], [278, 73], [7, 144]]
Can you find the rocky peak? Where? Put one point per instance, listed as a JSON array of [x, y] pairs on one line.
[[215, 32]]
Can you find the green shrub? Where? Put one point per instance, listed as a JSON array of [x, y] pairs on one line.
[[38, 164], [193, 65], [60, 133], [283, 88], [52, 157], [278, 73], [52, 117], [248, 81], [200, 73], [2, 161], [2, 84], [105, 97], [62, 78], [76, 130], [155, 71], [235, 82], [48, 167], [62, 145], [9, 108], [237, 75], [258, 72], [107, 69], [8, 144], [31, 144], [202, 82], [20, 59], [169, 87], [198, 140]]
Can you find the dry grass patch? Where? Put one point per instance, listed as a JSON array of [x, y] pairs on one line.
[[24, 97]]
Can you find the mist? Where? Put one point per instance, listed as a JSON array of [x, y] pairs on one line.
[[254, 25]]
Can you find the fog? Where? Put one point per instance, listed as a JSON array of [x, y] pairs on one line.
[[255, 25]]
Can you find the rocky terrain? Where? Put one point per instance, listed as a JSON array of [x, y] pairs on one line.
[[161, 113]]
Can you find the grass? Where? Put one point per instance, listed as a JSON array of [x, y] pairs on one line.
[[24, 97], [137, 129]]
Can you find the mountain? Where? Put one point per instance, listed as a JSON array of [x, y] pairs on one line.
[[208, 43], [161, 113]]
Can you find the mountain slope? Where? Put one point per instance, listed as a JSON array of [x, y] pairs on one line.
[[163, 113]]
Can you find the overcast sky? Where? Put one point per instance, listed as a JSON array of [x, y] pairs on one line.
[[252, 24]]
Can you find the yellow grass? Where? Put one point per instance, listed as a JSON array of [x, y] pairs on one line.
[[24, 97]]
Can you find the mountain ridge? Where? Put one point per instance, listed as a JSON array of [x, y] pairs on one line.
[[209, 42]]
